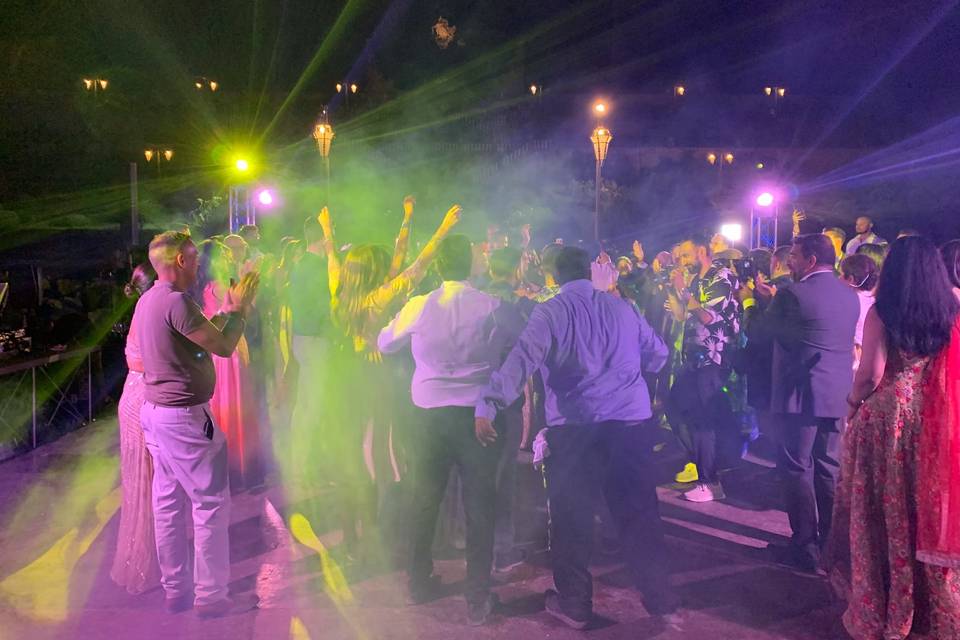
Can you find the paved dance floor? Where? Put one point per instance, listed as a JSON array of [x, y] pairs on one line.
[[59, 514]]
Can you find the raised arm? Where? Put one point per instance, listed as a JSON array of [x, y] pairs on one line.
[[330, 247], [403, 239], [407, 281]]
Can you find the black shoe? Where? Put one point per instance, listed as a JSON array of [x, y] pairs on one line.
[[509, 560], [796, 559], [178, 604], [478, 613], [228, 606], [425, 592], [661, 605], [552, 606]]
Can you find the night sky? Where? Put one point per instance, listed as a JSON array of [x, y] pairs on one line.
[[862, 75]]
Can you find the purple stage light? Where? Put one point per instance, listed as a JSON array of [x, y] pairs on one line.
[[265, 198], [765, 199]]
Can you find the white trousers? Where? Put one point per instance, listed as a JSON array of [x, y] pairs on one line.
[[189, 472]]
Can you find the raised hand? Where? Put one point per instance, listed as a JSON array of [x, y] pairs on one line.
[[451, 218], [638, 251], [408, 204], [798, 216], [525, 236], [324, 218], [240, 296]]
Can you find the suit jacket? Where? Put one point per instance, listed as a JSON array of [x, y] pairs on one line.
[[812, 324]]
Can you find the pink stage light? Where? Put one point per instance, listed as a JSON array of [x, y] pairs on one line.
[[265, 198], [765, 199]]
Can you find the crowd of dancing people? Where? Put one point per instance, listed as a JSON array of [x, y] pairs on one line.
[[383, 381]]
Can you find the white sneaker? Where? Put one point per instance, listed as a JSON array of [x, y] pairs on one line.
[[705, 493]]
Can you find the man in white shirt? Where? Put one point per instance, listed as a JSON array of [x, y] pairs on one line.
[[458, 336], [865, 235]]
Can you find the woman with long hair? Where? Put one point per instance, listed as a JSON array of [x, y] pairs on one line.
[[897, 512], [366, 289], [236, 397], [135, 566]]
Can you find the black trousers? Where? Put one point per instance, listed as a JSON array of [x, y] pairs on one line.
[[808, 461], [614, 457], [445, 437], [699, 410]]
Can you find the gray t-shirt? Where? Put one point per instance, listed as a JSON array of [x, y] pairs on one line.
[[176, 372]]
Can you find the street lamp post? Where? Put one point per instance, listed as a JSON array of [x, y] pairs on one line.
[[323, 134], [601, 144], [347, 89], [95, 84], [165, 154], [202, 83]]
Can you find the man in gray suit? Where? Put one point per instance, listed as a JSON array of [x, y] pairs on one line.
[[812, 322]]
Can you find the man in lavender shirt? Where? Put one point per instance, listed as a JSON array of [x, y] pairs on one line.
[[189, 452], [458, 335], [592, 349]]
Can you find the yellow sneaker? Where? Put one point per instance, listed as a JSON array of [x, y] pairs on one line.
[[689, 474]]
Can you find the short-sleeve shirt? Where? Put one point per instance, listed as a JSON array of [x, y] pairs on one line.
[[713, 343], [176, 371]]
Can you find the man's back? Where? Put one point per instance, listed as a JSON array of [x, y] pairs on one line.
[[598, 348], [458, 336], [813, 356]]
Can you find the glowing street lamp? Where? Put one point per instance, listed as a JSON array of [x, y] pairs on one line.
[[535, 89], [601, 145], [777, 94], [323, 134], [599, 109], [161, 154], [202, 84], [95, 84], [347, 89], [242, 165], [714, 159], [679, 90], [765, 199]]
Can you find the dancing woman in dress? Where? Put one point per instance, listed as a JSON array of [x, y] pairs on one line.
[[896, 541], [237, 396], [367, 289], [135, 566]]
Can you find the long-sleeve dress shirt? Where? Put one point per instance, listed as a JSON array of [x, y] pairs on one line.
[[592, 349], [458, 335]]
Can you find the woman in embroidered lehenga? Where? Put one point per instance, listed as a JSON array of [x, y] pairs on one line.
[[894, 551], [135, 566]]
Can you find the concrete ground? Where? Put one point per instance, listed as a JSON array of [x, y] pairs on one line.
[[59, 514]]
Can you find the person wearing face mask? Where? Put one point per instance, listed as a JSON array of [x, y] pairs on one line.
[[861, 273]]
